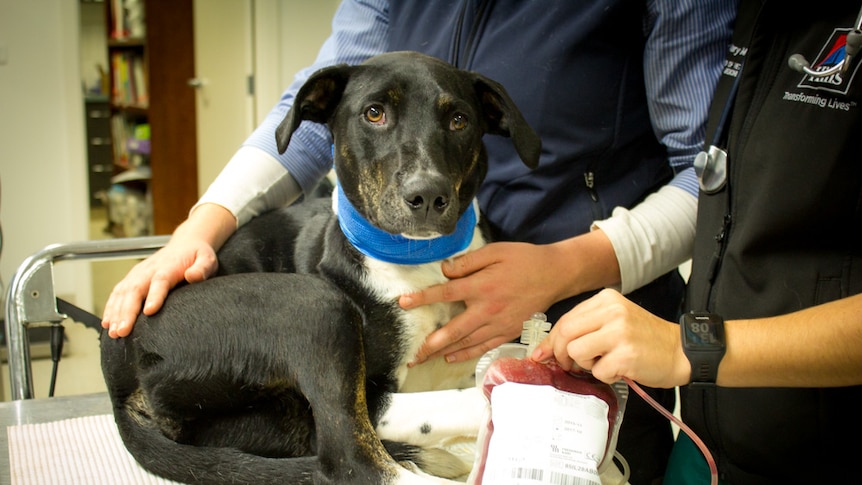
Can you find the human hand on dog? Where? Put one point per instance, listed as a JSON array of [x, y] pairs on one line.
[[190, 256], [502, 284], [612, 337]]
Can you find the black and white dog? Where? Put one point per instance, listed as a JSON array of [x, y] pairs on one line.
[[280, 369]]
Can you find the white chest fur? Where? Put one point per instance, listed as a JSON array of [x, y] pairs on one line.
[[390, 281]]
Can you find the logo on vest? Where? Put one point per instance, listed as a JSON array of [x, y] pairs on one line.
[[832, 53]]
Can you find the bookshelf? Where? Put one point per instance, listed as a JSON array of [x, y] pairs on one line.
[[153, 122]]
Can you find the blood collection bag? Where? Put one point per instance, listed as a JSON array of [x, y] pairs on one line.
[[543, 425]]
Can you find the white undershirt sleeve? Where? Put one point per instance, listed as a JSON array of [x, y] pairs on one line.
[[251, 183], [652, 238]]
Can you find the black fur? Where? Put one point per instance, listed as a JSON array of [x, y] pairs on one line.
[[261, 375]]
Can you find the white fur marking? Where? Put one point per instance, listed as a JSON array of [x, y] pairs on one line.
[[454, 414], [389, 281], [417, 477]]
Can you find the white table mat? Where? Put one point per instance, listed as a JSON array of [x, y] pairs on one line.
[[86, 450]]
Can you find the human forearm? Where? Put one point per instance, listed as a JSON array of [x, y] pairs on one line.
[[629, 249], [210, 223], [251, 183], [650, 239], [582, 263], [817, 347]]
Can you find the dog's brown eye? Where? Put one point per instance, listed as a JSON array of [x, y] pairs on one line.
[[458, 122], [376, 115]]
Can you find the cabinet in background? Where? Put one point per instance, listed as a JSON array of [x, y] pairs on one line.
[[99, 152], [153, 120]]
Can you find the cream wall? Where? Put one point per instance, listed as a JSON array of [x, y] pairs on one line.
[[43, 169], [236, 38], [92, 42], [290, 31]]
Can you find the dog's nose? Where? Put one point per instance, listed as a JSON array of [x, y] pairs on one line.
[[426, 193]]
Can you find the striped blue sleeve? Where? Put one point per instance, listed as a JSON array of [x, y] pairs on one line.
[[359, 31], [687, 41]]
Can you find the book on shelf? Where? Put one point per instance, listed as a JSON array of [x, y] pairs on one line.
[[139, 81], [130, 80], [127, 19], [131, 141], [119, 133]]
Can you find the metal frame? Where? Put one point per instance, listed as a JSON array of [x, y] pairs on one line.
[[31, 299]]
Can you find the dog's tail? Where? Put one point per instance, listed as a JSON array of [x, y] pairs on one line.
[[164, 457], [194, 465], [201, 465]]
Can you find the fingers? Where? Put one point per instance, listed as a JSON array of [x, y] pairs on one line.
[[474, 351], [159, 288], [457, 289], [568, 341], [440, 340], [601, 365], [467, 336], [494, 312], [563, 341], [444, 292], [128, 297], [471, 262], [121, 329], [147, 285], [204, 265], [123, 306], [544, 351]]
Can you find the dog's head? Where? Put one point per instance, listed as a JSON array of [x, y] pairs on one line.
[[408, 130]]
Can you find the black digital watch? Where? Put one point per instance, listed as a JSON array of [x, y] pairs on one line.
[[703, 343]]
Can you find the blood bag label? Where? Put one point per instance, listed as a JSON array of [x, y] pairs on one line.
[[543, 435]]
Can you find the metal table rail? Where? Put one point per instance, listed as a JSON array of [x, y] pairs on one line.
[[31, 300]]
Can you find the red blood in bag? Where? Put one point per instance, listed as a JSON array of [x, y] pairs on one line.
[[526, 371]]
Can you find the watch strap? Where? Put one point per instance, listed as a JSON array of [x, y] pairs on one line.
[[704, 362], [703, 371]]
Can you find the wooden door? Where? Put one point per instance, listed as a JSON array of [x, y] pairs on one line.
[[170, 52]]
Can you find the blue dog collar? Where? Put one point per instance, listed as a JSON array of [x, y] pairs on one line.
[[395, 248]]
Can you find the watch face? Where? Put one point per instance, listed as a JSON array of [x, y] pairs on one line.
[[700, 333]]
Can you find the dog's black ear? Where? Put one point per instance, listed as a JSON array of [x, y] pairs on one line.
[[504, 118], [315, 101]]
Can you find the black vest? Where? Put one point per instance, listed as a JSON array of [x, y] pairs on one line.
[[783, 235]]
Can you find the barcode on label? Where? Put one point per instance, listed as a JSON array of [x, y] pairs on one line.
[[562, 479], [528, 474], [554, 478]]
